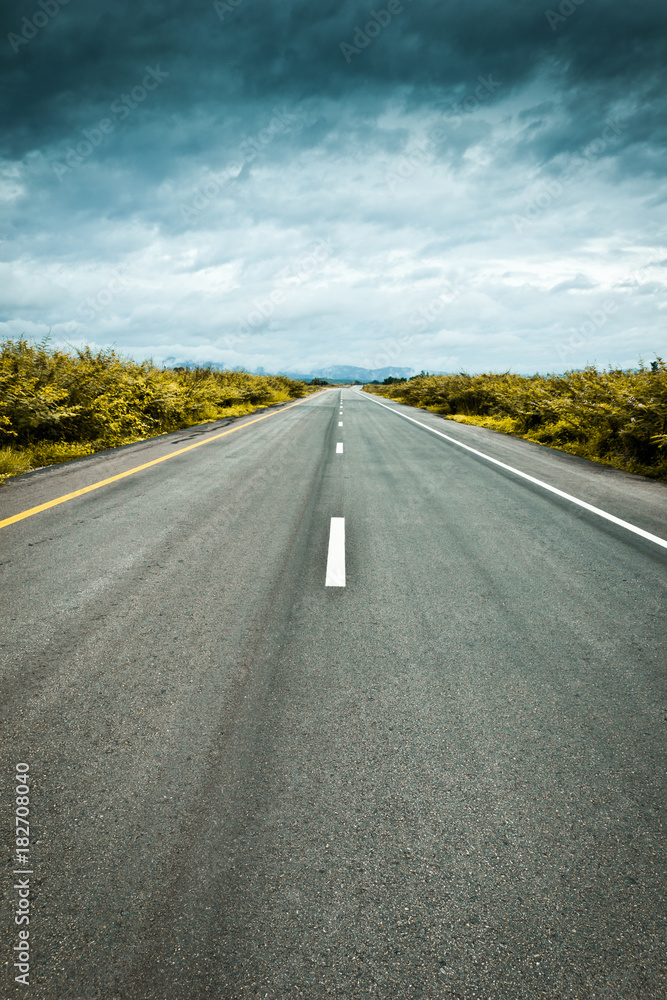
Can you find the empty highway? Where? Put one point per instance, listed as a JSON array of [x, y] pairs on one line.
[[328, 706]]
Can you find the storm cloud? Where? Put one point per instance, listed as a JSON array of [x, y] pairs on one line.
[[440, 185]]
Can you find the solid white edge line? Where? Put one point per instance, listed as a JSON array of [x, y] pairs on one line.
[[336, 556], [339, 448], [531, 479]]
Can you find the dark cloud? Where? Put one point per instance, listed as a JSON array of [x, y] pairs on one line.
[[260, 51], [516, 149]]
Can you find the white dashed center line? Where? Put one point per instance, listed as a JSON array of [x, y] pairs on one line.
[[340, 423], [339, 448], [336, 557]]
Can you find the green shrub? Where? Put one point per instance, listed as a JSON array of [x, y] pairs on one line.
[[56, 405], [13, 463]]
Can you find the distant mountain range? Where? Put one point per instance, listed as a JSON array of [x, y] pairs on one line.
[[336, 373], [349, 373]]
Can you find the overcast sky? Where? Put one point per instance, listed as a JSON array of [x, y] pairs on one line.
[[438, 184]]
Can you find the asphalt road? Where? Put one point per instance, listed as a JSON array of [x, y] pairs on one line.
[[443, 779]]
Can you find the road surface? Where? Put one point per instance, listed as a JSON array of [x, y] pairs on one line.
[[417, 751]]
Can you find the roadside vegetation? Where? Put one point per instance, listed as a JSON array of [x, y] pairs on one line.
[[57, 405], [615, 417]]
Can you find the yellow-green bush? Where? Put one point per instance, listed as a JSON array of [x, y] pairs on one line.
[[56, 405], [617, 417], [13, 463]]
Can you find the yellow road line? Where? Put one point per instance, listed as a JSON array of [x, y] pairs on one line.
[[138, 468]]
